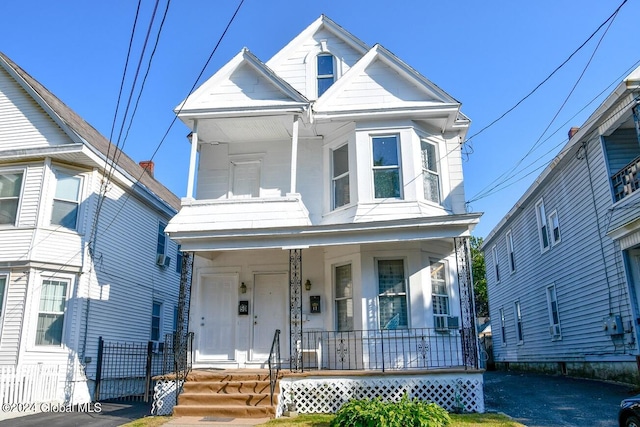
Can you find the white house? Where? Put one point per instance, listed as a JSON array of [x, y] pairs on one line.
[[563, 266], [325, 200], [81, 238]]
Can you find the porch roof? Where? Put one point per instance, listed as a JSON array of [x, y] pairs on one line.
[[304, 236]]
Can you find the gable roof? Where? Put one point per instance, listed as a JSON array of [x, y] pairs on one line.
[[243, 83], [81, 131], [322, 22]]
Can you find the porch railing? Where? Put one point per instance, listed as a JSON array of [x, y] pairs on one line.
[[627, 180], [274, 362], [384, 350]]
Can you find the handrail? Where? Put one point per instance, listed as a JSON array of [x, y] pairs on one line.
[[274, 362]]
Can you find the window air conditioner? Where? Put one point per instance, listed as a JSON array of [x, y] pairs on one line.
[[453, 322], [163, 260], [554, 330]]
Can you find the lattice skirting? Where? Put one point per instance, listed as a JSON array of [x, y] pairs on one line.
[[164, 396], [326, 395]]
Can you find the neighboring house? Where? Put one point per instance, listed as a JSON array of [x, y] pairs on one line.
[[330, 206], [76, 263], [563, 266]]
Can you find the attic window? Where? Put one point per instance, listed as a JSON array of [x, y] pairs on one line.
[[326, 72]]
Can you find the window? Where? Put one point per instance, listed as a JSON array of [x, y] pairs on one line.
[[517, 313], [430, 176], [179, 259], [3, 287], [66, 201], [340, 176], [161, 249], [439, 295], [554, 315], [53, 299], [392, 294], [512, 259], [10, 187], [156, 321], [344, 298], [555, 228], [503, 327], [496, 266], [543, 233], [325, 71], [386, 167]]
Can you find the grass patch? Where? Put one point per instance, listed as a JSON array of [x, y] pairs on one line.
[[150, 421], [457, 420]]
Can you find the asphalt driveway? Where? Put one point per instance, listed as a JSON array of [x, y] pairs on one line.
[[554, 401]]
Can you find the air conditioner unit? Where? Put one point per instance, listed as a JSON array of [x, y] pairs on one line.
[[163, 260], [554, 330], [453, 322]]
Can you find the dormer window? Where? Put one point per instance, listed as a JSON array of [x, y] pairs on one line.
[[325, 71]]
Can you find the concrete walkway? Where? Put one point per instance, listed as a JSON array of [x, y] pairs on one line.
[[215, 421]]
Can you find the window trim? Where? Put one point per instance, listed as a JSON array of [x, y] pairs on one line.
[[386, 294], [69, 174], [510, 251], [23, 172], [552, 296], [543, 227], [503, 327], [496, 262], [552, 237], [397, 166], [435, 172], [68, 291], [334, 267], [517, 317], [334, 178]]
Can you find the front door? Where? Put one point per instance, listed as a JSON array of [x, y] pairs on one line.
[[270, 312], [215, 318]]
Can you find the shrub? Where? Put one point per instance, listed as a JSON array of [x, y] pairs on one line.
[[376, 413]]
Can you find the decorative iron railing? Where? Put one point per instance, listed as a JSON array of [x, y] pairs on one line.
[[384, 350], [274, 362], [627, 180]]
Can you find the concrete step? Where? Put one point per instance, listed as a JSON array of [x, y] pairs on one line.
[[239, 411], [227, 387], [215, 399]]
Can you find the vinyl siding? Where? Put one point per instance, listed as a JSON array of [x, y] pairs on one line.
[[13, 311], [574, 266], [24, 123]]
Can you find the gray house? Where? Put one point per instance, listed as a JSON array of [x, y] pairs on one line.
[[563, 266]]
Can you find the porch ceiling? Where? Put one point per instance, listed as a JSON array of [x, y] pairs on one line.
[[414, 229]]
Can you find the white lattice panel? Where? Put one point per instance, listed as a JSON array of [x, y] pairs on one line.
[[327, 395], [164, 397]]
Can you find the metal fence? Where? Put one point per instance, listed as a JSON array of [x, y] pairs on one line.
[[395, 349]]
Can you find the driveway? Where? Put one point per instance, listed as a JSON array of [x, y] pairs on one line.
[[554, 401], [111, 414]]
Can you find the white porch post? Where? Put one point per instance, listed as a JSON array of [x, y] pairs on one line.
[[294, 154], [192, 160]]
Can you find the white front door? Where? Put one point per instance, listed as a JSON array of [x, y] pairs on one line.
[[215, 321], [246, 180], [270, 312]]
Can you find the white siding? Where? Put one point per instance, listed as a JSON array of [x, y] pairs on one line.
[[24, 123], [13, 311]]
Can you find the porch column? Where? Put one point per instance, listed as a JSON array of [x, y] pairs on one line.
[[295, 308], [467, 310], [192, 159], [294, 154]]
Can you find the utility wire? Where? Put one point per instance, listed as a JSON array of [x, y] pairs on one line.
[[549, 76]]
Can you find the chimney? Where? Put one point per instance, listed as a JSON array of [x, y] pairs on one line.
[[148, 166], [573, 131]]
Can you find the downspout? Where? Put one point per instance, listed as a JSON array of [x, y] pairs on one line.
[[294, 154]]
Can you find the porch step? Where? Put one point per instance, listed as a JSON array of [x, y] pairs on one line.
[[237, 394]]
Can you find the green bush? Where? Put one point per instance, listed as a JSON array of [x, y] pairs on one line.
[[376, 413]]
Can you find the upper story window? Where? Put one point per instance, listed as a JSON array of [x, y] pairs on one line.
[[510, 251], [496, 264], [386, 167], [543, 232], [53, 299], [340, 176], [343, 297], [66, 201], [161, 248], [555, 228], [325, 72], [10, 188], [430, 175]]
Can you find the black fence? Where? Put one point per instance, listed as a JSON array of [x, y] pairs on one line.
[[384, 350], [125, 370]]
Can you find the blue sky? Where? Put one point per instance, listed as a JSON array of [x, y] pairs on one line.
[[488, 55]]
